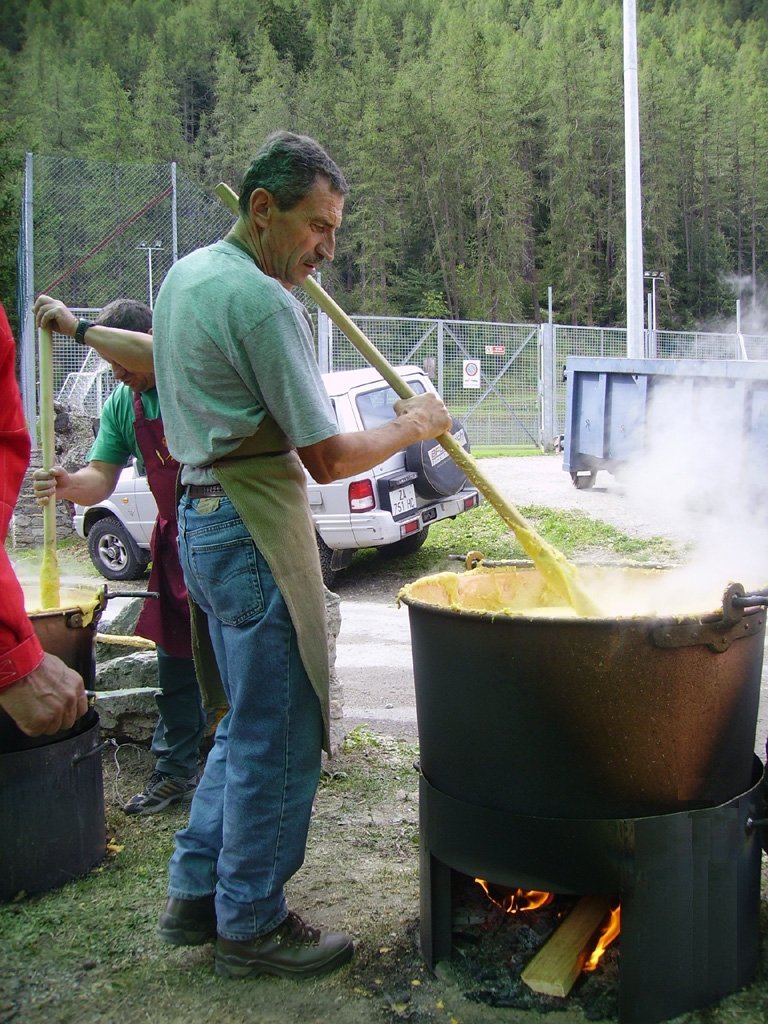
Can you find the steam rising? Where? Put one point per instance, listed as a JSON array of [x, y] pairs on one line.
[[752, 300], [702, 455]]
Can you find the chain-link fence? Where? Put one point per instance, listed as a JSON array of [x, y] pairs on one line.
[[94, 231], [105, 230], [82, 380], [487, 373], [596, 342], [508, 400]]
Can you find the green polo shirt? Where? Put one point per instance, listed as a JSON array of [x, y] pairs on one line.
[[116, 440]]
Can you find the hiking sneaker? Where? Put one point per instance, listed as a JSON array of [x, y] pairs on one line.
[[161, 791], [188, 922], [292, 950]]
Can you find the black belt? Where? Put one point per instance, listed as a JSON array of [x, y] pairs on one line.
[[205, 491]]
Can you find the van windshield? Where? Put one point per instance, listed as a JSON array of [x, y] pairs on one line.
[[376, 407]]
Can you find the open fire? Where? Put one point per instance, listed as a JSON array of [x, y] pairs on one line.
[[579, 947], [517, 901], [609, 932]]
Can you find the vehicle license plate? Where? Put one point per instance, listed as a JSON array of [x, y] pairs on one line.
[[402, 500]]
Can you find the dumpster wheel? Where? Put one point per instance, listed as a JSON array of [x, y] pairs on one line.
[[583, 481]]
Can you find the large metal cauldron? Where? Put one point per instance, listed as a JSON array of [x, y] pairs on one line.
[[581, 718], [51, 787]]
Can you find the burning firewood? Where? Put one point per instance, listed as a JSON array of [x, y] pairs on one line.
[[558, 964]]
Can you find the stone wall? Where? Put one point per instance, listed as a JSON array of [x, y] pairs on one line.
[[74, 437], [126, 680]]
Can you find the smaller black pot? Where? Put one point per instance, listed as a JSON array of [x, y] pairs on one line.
[[52, 812], [71, 636]]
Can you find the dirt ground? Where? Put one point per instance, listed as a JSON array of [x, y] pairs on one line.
[[87, 953]]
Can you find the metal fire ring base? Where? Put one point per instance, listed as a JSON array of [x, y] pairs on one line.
[[689, 884]]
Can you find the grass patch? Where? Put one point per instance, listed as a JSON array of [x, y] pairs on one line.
[[504, 451], [572, 532], [71, 553], [374, 764], [576, 534]]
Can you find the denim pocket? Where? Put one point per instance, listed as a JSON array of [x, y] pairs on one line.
[[227, 571]]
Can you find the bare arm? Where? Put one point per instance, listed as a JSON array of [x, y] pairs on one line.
[[50, 698], [129, 348], [343, 455], [88, 486]]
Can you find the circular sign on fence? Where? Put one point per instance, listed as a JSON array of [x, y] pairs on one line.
[[471, 373]]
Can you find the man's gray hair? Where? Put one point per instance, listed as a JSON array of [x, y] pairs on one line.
[[287, 166]]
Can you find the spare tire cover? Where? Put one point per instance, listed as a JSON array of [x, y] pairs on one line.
[[437, 475]]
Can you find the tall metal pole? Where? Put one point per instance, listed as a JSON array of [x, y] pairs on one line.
[[151, 289], [634, 226], [174, 215], [26, 318], [150, 247]]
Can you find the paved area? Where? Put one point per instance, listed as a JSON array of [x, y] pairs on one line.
[[373, 663], [627, 505]]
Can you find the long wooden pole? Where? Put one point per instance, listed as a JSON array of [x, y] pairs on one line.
[[551, 563], [49, 571]]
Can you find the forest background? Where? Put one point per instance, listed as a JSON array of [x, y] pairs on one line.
[[483, 139]]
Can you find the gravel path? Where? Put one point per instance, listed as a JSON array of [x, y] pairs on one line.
[[541, 480]]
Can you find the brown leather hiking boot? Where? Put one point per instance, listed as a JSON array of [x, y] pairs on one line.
[[188, 922], [292, 950]]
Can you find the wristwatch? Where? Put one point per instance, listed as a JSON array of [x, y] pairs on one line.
[[82, 327]]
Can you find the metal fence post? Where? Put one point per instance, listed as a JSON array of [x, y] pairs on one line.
[[323, 341], [650, 334], [26, 293], [440, 325], [547, 385], [174, 215]]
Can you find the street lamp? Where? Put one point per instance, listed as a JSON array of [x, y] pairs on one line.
[[150, 247], [653, 276]]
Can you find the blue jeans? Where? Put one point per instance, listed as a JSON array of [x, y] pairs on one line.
[[182, 722], [249, 817]]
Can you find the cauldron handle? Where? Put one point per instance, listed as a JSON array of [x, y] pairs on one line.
[[90, 753], [717, 631], [751, 600]]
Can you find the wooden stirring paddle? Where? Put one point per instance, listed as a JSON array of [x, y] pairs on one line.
[[49, 570]]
